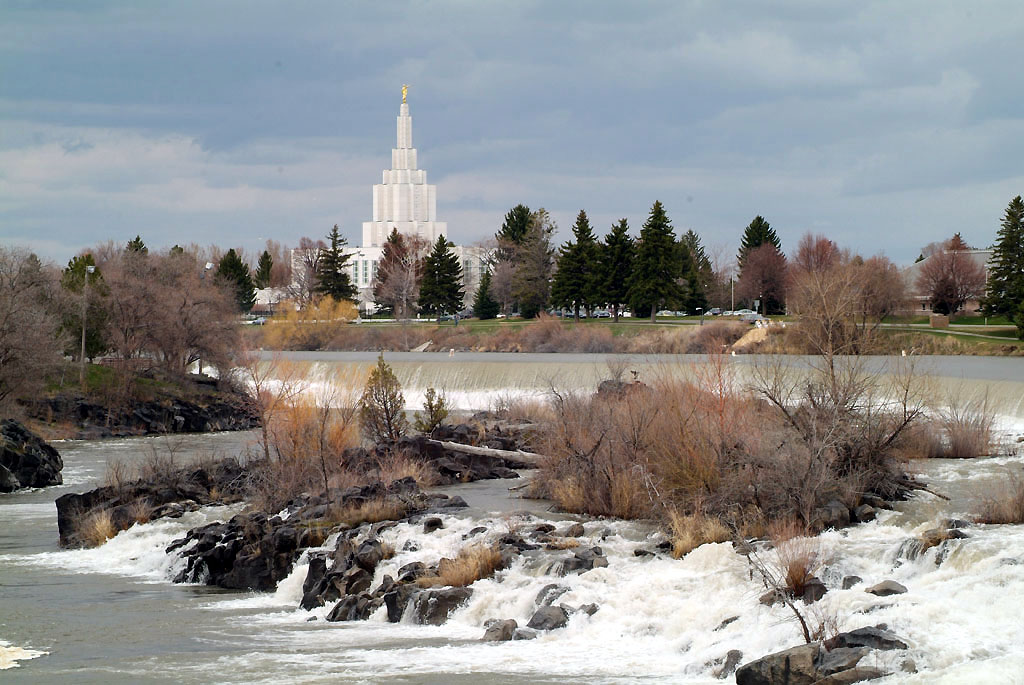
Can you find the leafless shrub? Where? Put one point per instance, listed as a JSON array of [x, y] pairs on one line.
[[715, 337], [1007, 505], [967, 426]]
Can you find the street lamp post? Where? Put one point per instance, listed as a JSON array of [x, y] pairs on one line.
[[89, 270], [732, 295], [701, 310]]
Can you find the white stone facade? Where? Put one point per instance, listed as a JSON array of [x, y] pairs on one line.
[[403, 200]]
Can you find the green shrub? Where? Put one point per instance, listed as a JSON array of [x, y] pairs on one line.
[[382, 405], [435, 411]]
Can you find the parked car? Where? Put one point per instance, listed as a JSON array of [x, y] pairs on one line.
[[715, 311], [743, 312], [602, 314], [665, 312]]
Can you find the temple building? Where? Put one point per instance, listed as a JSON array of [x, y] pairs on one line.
[[405, 202]]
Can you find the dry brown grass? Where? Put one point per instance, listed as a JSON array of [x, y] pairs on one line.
[[472, 563], [968, 427], [140, 510], [797, 558], [371, 511], [690, 531], [96, 528], [563, 543], [1007, 505], [398, 465]]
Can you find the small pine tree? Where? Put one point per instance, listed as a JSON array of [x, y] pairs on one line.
[[232, 271], [441, 285], [382, 405], [331, 275], [266, 263], [136, 245], [435, 411], [484, 306]]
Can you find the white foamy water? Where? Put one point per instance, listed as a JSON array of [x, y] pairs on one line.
[[11, 655]]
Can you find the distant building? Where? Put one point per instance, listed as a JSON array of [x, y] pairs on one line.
[[918, 302], [405, 202]]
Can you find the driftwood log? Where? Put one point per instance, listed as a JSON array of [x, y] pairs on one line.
[[519, 455]]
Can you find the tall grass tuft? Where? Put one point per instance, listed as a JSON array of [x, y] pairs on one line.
[[472, 563], [1007, 505], [96, 528]]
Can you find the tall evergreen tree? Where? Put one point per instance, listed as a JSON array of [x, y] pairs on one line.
[[332, 274], [266, 263], [441, 285], [615, 262], [136, 245], [484, 306], [757, 233], [702, 275], [397, 282], [655, 278], [1005, 286], [516, 225], [575, 283], [534, 258], [232, 271]]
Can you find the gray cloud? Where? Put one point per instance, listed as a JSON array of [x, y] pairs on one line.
[[886, 125]]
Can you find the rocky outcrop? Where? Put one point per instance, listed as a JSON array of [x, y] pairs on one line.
[[181, 406], [254, 551], [835, 662], [26, 460], [168, 494]]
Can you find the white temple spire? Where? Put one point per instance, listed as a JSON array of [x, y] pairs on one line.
[[404, 200]]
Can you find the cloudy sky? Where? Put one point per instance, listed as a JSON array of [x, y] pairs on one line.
[[883, 125]]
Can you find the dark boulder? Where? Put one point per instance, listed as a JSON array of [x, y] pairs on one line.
[[433, 607], [794, 666], [500, 631], [886, 588], [354, 608], [850, 581], [873, 637], [548, 618], [834, 514], [726, 666], [431, 524], [396, 600], [26, 460]]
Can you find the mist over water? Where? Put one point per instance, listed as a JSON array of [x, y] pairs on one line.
[[111, 615]]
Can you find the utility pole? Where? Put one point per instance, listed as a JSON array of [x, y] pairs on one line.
[[89, 270]]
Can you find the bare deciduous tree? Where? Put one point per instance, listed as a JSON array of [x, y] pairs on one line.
[[397, 282], [29, 344], [950, 277]]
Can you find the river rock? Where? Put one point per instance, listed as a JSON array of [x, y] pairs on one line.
[[814, 590], [852, 675], [794, 666], [886, 588], [835, 514], [549, 593], [397, 600], [524, 634], [841, 659], [433, 607], [727, 664], [500, 631], [432, 523], [353, 608], [548, 618], [26, 460], [369, 554], [575, 530], [865, 513], [581, 561], [850, 581], [875, 638]]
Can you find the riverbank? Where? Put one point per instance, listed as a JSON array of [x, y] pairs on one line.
[[114, 404]]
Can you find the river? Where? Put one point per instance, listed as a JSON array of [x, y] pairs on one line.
[[110, 615]]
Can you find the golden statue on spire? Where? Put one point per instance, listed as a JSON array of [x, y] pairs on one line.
[[405, 92]]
